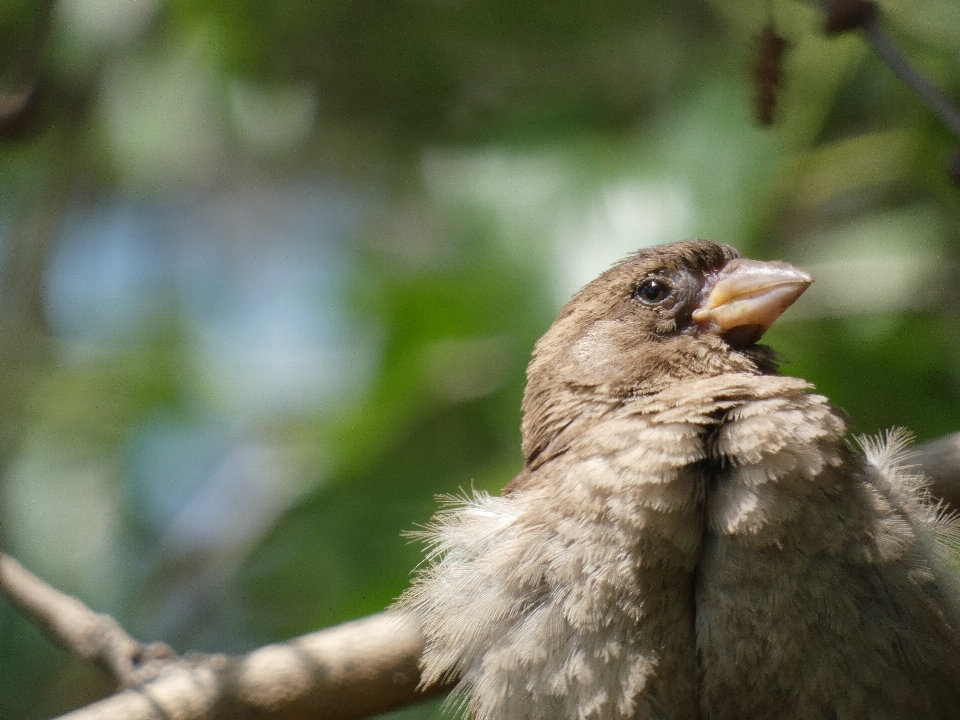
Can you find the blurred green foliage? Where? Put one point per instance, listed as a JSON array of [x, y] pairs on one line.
[[502, 153]]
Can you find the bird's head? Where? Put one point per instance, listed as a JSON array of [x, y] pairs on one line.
[[662, 315]]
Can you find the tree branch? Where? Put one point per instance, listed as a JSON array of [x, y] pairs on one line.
[[94, 637], [350, 671]]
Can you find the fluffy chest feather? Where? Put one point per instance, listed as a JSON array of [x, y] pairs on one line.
[[821, 589], [707, 551]]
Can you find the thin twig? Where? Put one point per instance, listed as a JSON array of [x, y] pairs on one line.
[[928, 92]]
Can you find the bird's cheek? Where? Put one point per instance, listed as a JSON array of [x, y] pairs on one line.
[[603, 356], [591, 359]]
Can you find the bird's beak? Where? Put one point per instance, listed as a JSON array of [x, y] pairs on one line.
[[744, 299]]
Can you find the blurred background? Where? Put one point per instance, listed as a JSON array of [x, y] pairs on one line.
[[270, 273]]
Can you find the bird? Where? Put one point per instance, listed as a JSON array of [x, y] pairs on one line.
[[692, 534]]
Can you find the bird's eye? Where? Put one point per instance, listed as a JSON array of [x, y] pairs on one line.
[[652, 291]]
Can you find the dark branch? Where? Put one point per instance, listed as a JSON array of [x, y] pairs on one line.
[[926, 90], [940, 460], [845, 15]]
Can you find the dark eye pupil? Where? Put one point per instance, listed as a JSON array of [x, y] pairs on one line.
[[652, 291]]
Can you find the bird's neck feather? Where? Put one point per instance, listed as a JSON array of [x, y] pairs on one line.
[[556, 397]]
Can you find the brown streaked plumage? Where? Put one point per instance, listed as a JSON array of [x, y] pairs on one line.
[[690, 537]]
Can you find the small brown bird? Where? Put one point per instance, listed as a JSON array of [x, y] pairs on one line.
[[691, 536]]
